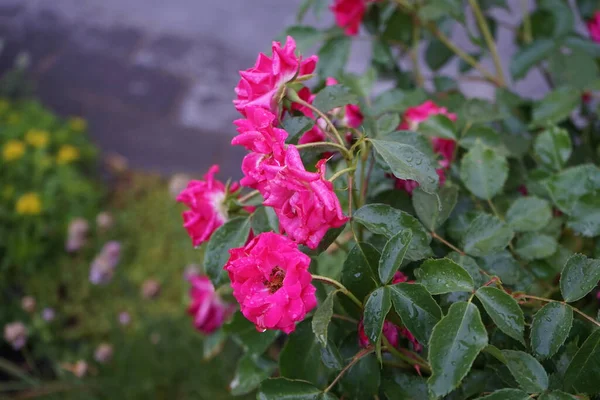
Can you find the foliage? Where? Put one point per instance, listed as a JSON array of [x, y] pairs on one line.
[[470, 262]]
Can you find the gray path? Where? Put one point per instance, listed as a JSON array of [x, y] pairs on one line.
[[155, 78]]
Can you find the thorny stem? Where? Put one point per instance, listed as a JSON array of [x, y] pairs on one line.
[[444, 241], [584, 315], [527, 35], [341, 172], [341, 287], [293, 96], [412, 359], [494, 210], [487, 35], [355, 359], [343, 150]]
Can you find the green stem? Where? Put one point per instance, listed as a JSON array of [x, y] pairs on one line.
[[487, 35], [413, 359], [293, 96], [342, 149], [340, 173], [584, 315], [416, 35], [494, 210], [341, 287], [248, 196], [447, 243], [355, 359]]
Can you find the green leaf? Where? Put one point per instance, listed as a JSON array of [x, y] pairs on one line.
[[504, 311], [398, 27], [488, 136], [526, 370], [443, 275], [438, 126], [585, 216], [402, 386], [334, 96], [413, 139], [576, 69], [231, 234], [569, 186], [328, 239], [264, 219], [483, 171], [393, 255], [244, 333], [470, 265], [550, 328], [434, 209], [213, 344], [557, 395], [305, 36], [377, 307], [529, 56], [529, 214], [505, 266], [359, 274], [296, 127], [455, 343], [333, 56], [555, 107], [535, 245], [552, 148], [406, 162], [322, 317], [331, 357], [250, 372], [300, 358], [583, 372], [506, 394], [437, 54], [487, 234], [385, 220], [289, 389], [477, 111], [362, 379], [397, 100], [417, 309], [579, 277], [387, 123]]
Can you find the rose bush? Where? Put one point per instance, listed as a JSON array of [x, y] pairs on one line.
[[413, 242]]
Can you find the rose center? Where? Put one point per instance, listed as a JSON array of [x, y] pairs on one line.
[[275, 281]]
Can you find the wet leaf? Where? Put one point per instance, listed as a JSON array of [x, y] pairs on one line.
[[550, 328], [443, 275], [504, 311]]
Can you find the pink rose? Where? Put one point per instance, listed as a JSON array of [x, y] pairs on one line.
[[413, 116], [405, 333], [259, 84], [258, 134], [304, 201], [593, 26], [390, 331], [270, 280], [207, 308], [349, 14], [399, 277], [206, 202]]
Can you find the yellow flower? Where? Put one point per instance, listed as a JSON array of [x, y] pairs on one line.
[[37, 138], [78, 124], [29, 204], [67, 154], [14, 119], [13, 150], [4, 104]]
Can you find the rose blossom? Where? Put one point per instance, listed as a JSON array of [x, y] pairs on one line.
[[258, 134], [124, 318], [103, 266], [411, 338], [77, 235], [390, 331], [304, 201], [444, 147], [207, 308], [103, 353], [259, 84], [270, 280], [349, 14], [207, 210], [150, 289], [593, 26], [104, 221], [48, 314], [28, 304]]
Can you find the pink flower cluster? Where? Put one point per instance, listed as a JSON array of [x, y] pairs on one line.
[[444, 147], [207, 308], [270, 280], [593, 26], [260, 85], [207, 209], [348, 14]]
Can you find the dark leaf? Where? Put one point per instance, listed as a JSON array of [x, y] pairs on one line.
[[300, 358], [434, 209], [483, 171], [550, 328], [289, 389], [443, 275], [583, 372], [579, 276], [377, 307], [556, 106], [417, 309], [486, 235], [438, 126], [552, 148], [334, 96], [322, 317], [250, 372], [527, 371], [529, 214], [333, 56], [534, 245], [437, 54], [296, 127], [504, 311], [244, 333], [231, 234], [359, 274], [529, 56], [393, 255], [506, 394]]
